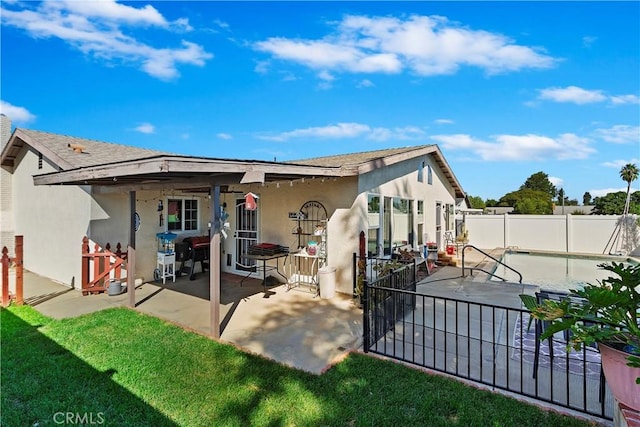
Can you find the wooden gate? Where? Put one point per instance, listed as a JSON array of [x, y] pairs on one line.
[[98, 265]]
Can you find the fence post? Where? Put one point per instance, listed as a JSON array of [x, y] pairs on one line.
[[5, 277], [85, 264], [19, 270], [366, 314]]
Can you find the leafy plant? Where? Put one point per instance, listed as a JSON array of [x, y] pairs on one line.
[[605, 313]]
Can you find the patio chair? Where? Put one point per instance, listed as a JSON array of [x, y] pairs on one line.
[[541, 325], [249, 268]]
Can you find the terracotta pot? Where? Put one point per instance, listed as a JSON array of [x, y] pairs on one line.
[[620, 377]]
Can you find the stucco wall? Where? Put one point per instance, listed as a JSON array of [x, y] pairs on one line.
[[52, 219], [401, 180], [277, 200], [110, 223], [564, 233]]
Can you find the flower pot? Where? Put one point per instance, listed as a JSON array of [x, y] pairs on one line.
[[620, 377]]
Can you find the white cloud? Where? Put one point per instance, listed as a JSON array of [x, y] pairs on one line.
[[426, 45], [261, 67], [624, 99], [573, 94], [557, 182], [147, 128], [326, 76], [17, 114], [619, 164], [587, 41], [580, 96], [444, 121], [350, 131], [365, 83], [225, 136], [519, 147], [620, 134], [112, 11], [98, 29]]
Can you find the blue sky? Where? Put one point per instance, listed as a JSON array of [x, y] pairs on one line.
[[506, 89]]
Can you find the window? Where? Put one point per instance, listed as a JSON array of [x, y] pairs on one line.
[[420, 222], [39, 160], [402, 222], [373, 229], [182, 214], [421, 171], [429, 175], [448, 216], [390, 224]]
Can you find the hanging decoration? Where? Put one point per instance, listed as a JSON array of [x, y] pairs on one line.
[[224, 220], [250, 203], [160, 210]]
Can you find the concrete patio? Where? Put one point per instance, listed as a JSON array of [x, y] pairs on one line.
[[293, 327]]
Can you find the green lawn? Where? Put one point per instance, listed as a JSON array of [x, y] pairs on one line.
[[123, 368]]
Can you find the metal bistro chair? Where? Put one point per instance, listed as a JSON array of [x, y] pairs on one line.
[[541, 325], [245, 267]]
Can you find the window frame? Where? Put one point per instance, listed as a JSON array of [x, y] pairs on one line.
[[186, 214]]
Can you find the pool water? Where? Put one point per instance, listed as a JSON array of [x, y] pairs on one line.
[[553, 272]]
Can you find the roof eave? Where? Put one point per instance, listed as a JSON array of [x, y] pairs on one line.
[[16, 143], [203, 169]]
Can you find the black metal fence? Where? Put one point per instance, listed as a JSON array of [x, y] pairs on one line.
[[488, 344]]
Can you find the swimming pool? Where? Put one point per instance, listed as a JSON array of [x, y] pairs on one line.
[[559, 272]]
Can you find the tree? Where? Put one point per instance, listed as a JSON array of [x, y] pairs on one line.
[[628, 173], [528, 201], [561, 196], [540, 181], [476, 202], [586, 198], [613, 203], [491, 202]]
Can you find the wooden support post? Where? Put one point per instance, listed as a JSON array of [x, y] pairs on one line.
[[214, 262], [85, 265], [19, 271], [131, 251], [214, 284], [5, 277]]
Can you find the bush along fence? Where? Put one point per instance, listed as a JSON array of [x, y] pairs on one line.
[[7, 261]]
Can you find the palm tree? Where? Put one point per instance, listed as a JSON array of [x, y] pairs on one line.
[[628, 173]]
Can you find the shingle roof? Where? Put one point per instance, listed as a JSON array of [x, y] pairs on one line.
[[56, 147], [342, 160]]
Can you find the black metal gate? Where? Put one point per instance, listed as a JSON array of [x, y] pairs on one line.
[[483, 343]]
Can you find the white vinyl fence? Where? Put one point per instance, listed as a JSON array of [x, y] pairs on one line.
[[562, 233]]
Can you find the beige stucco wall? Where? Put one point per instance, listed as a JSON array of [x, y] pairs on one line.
[[401, 180], [278, 199], [52, 219], [110, 222], [346, 202]]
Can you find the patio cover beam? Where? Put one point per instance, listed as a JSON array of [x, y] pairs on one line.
[[183, 167]]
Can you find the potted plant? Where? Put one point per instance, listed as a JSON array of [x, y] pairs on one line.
[[607, 313]]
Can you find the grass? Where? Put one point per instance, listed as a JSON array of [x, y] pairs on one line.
[[124, 368]]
